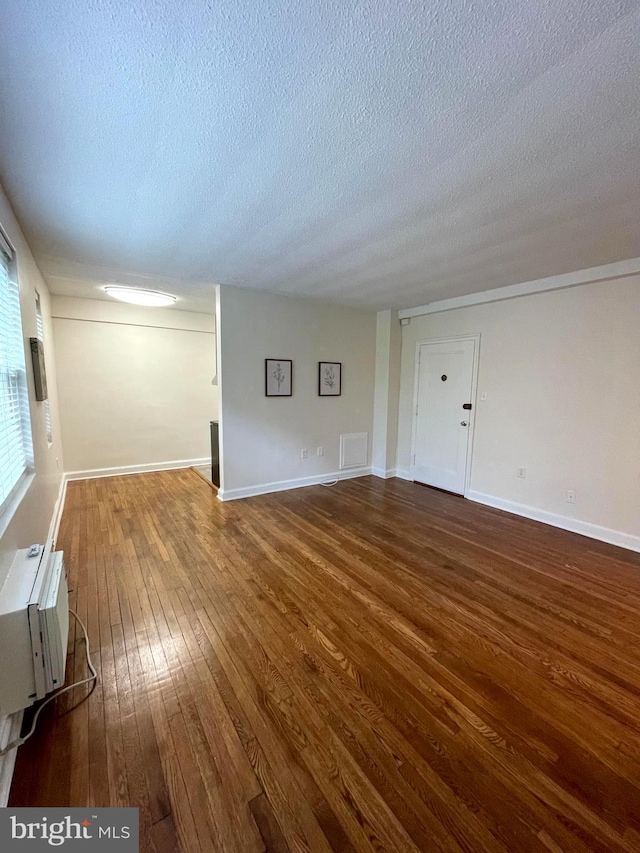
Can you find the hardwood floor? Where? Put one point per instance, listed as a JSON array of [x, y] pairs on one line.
[[373, 666]]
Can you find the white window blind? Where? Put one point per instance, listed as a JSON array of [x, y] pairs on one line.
[[16, 454], [47, 406]]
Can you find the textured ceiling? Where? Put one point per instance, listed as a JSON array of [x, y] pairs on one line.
[[376, 153]]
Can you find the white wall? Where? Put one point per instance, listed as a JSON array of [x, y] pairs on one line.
[[385, 406], [560, 370], [134, 383], [262, 436], [28, 518]]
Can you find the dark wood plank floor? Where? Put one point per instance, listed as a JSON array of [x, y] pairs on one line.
[[373, 666]]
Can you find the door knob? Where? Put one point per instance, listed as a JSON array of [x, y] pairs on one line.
[[463, 423]]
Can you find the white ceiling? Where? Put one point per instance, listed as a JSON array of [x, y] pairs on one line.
[[376, 153]]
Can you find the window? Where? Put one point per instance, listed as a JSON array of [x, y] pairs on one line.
[[16, 451], [47, 406]]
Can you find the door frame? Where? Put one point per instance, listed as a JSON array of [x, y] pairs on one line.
[[473, 401]]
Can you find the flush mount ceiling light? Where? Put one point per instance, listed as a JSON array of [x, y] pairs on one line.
[[136, 296]]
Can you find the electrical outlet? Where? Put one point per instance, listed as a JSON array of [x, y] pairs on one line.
[[483, 396], [304, 453], [320, 451], [522, 473], [571, 496]]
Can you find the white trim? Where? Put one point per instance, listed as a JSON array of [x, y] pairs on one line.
[[5, 244], [285, 485], [620, 269], [122, 470], [471, 414], [385, 475], [21, 488], [585, 528], [56, 518], [404, 475], [9, 730]]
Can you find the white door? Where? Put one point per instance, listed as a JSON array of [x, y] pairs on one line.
[[442, 425]]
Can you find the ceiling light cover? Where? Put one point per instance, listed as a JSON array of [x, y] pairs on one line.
[[136, 296]]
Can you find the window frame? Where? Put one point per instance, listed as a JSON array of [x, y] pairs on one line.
[[17, 491]]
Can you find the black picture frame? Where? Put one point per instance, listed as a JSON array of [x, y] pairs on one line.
[[284, 386], [330, 378], [39, 369]]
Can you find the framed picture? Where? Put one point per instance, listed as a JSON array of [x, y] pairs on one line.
[[277, 377], [329, 378], [39, 371]]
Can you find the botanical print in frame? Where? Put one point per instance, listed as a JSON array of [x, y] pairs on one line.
[[277, 377], [329, 378]]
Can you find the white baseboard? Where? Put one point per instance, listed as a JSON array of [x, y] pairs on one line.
[[585, 528], [403, 475], [285, 485], [385, 475], [9, 730], [122, 470]]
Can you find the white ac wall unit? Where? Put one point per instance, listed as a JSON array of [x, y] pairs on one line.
[[34, 628]]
